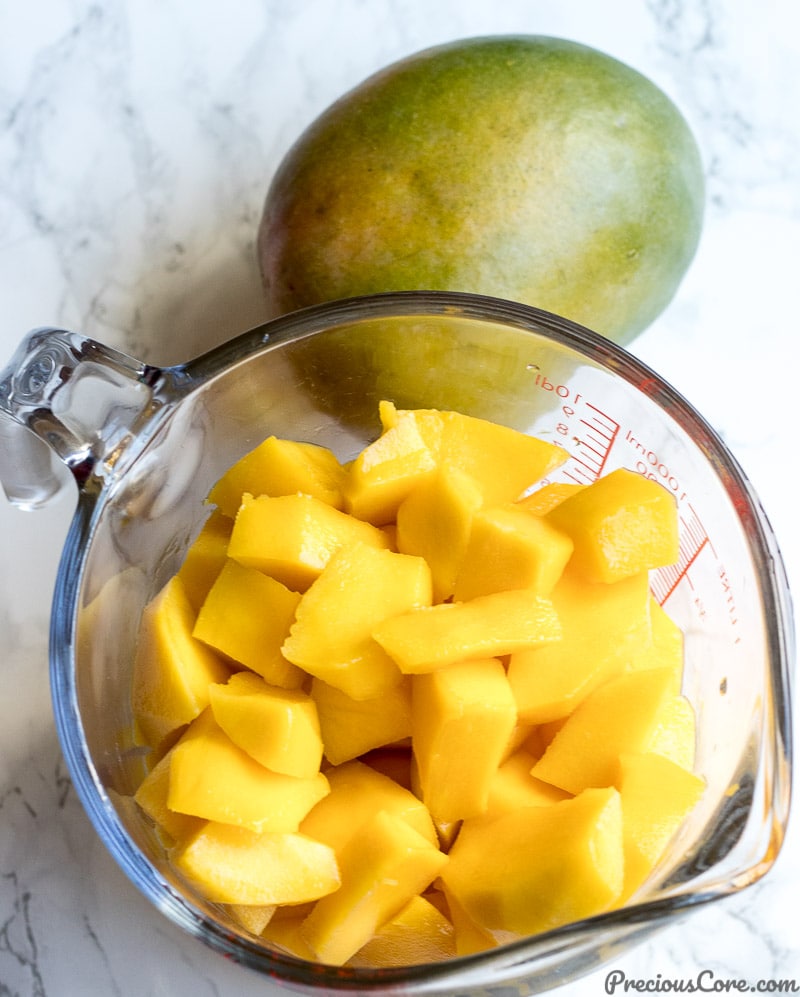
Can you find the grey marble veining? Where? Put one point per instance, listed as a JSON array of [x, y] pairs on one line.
[[136, 144]]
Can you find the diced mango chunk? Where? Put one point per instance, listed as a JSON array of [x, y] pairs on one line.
[[280, 467], [539, 867], [512, 786], [419, 933], [351, 727], [213, 778], [428, 638], [382, 867], [603, 628], [664, 649], [285, 931], [674, 734], [252, 917], [469, 936], [278, 727], [246, 617], [152, 796], [358, 791], [502, 461], [360, 587], [621, 524], [462, 718], [384, 473], [434, 521], [509, 548], [172, 670], [619, 717], [656, 796], [205, 558], [542, 500], [292, 537], [234, 865]]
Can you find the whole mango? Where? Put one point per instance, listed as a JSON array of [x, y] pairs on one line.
[[522, 167]]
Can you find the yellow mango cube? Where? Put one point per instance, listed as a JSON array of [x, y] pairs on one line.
[[428, 638], [213, 778], [434, 521], [172, 669], [674, 734], [664, 649], [539, 867], [604, 628], [543, 499], [502, 461], [385, 471], [656, 795], [234, 865], [509, 548], [621, 524], [278, 727], [350, 727], [246, 616], [360, 587], [152, 796], [280, 467], [620, 716], [512, 786], [205, 558], [469, 936], [292, 537], [382, 867], [462, 716], [419, 933], [357, 791], [252, 917], [284, 931]]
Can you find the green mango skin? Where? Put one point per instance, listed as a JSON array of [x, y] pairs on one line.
[[522, 167]]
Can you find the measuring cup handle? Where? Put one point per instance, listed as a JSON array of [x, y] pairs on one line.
[[69, 398]]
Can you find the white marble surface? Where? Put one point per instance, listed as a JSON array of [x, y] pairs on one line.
[[137, 138]]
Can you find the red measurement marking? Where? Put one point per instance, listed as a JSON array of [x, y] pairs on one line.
[[598, 432], [693, 540]]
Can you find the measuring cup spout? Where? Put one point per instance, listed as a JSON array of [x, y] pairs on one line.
[[65, 397]]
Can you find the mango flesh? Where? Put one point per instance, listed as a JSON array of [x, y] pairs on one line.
[[625, 524], [499, 623], [508, 548], [246, 617], [382, 769], [357, 792], [292, 537], [172, 670], [603, 628], [332, 635], [419, 933], [234, 865], [549, 864], [280, 467], [547, 173], [278, 727], [206, 558], [656, 795], [351, 727], [383, 866], [435, 522], [213, 778], [462, 717]]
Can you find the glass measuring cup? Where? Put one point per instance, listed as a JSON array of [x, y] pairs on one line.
[[143, 446]]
